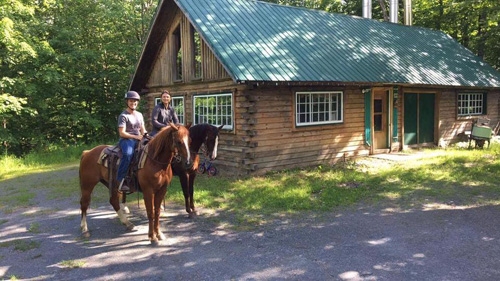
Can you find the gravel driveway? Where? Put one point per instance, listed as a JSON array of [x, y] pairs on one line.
[[358, 243]]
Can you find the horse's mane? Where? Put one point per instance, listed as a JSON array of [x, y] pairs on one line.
[[162, 140], [199, 130]]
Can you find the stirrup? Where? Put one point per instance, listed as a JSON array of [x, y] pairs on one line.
[[123, 187]]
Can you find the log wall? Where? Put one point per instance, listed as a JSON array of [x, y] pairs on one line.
[[452, 128], [274, 143]]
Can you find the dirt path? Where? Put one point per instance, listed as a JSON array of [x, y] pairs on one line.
[[351, 244]]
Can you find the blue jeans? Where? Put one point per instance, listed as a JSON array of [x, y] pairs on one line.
[[127, 146]]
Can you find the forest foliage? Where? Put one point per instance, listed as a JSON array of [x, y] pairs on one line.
[[66, 64]]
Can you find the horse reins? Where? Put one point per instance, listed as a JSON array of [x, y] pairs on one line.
[[176, 157]]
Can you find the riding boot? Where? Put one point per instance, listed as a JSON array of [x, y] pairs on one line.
[[123, 186]]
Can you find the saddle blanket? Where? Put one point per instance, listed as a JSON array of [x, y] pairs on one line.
[[104, 157]]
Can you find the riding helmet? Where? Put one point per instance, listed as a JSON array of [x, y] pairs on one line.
[[132, 95]]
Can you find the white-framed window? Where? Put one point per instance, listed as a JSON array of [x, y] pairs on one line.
[[214, 109], [316, 108], [471, 104], [178, 104]]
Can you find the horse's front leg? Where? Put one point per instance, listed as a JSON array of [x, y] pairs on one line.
[[184, 179], [160, 195], [114, 200], [150, 209], [122, 204], [192, 209]]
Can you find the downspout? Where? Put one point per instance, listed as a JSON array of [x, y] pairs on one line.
[[367, 13], [393, 11], [368, 117]]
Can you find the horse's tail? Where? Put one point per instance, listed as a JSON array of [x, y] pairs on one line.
[[83, 154], [80, 169]]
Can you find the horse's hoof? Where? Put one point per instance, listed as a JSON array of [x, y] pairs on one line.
[[161, 236], [155, 242], [193, 214], [86, 234], [131, 228]]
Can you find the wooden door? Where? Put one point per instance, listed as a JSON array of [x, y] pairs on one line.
[[380, 124]]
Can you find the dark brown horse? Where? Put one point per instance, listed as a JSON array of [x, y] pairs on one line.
[[200, 134], [153, 178]]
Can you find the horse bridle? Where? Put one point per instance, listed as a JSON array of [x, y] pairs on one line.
[[205, 142], [176, 156]]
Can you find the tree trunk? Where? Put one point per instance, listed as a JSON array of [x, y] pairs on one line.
[[384, 10], [482, 32]]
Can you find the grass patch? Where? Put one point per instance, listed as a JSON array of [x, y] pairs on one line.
[[51, 158], [466, 177], [34, 228], [72, 264], [62, 188], [22, 245], [462, 176]]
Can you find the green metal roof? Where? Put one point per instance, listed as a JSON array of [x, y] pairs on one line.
[[260, 41]]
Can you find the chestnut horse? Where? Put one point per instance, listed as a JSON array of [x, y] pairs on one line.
[[153, 178], [200, 134]]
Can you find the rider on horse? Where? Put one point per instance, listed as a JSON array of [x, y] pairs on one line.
[[163, 114], [131, 130]]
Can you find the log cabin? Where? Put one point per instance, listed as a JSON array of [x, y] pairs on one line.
[[296, 87]]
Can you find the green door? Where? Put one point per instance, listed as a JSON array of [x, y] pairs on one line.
[[410, 118], [418, 118], [426, 118]]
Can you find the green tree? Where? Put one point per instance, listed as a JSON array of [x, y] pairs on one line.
[[68, 61], [19, 49], [473, 23]]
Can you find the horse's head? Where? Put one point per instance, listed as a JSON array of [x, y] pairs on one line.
[[212, 141], [180, 144]]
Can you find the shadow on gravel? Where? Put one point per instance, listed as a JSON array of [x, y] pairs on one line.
[[352, 244]]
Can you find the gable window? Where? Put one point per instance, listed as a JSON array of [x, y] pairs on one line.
[[471, 104], [196, 39], [214, 109], [315, 108], [177, 53], [178, 104]]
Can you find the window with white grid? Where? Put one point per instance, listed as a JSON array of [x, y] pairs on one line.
[[315, 108], [471, 104], [214, 109], [178, 104]]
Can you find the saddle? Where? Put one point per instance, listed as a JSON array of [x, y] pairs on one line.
[[110, 157]]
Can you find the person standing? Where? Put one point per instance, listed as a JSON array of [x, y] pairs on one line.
[[131, 130], [163, 113]]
